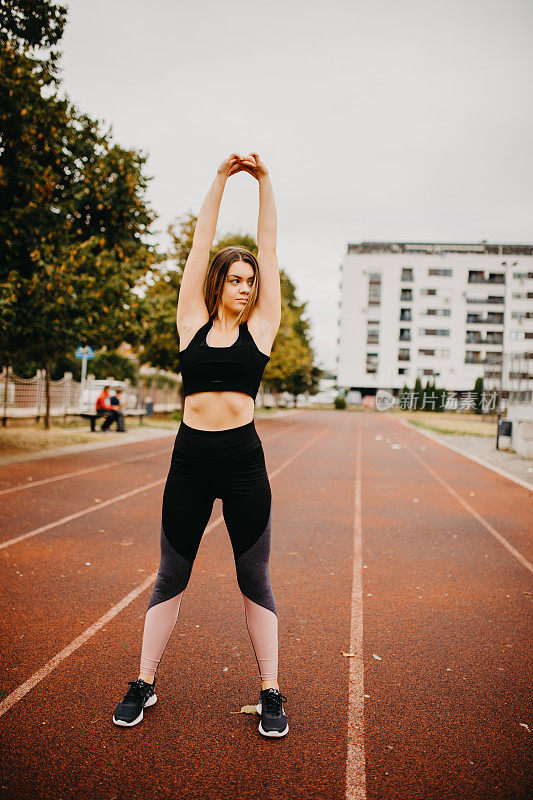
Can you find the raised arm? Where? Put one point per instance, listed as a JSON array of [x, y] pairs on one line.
[[191, 303], [269, 300]]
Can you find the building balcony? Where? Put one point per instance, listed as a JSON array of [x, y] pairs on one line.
[[476, 358], [472, 319], [487, 340], [496, 279], [499, 301]]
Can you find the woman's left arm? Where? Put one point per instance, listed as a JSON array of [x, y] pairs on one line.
[[269, 299]]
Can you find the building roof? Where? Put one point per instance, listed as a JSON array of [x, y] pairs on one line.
[[436, 248]]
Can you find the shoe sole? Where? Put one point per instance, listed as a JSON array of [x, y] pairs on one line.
[[270, 733], [151, 700]]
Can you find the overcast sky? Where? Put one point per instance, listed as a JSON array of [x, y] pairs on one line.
[[406, 120]]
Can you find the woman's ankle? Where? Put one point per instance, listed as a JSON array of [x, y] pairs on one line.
[[144, 676], [269, 684]]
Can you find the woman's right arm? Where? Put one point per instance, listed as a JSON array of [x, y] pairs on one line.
[[191, 304]]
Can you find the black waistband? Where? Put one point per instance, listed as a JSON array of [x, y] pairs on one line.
[[217, 444]]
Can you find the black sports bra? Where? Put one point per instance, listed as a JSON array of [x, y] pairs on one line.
[[237, 368]]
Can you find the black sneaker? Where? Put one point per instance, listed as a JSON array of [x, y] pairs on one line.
[[273, 719], [140, 695]]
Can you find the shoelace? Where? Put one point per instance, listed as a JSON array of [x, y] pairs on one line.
[[135, 692], [273, 702]]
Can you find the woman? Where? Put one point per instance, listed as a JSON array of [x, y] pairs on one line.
[[227, 321]]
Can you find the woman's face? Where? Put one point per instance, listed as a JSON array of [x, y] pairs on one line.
[[237, 286]]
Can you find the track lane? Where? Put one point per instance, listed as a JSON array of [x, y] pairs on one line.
[[197, 694], [70, 575], [20, 473], [445, 609], [447, 613], [504, 504]]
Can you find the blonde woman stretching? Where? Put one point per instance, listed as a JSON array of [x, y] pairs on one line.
[[228, 316]]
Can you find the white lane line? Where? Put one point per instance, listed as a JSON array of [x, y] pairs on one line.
[[82, 513], [355, 761], [487, 464], [497, 535], [109, 502], [18, 693], [19, 487]]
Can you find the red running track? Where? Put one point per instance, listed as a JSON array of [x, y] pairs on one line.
[[409, 558]]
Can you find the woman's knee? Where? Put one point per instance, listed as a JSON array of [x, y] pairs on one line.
[[173, 574]]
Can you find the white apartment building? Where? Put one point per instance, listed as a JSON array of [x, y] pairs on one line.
[[411, 309]]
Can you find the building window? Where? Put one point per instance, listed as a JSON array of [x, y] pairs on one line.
[[439, 312], [428, 291], [403, 370], [405, 334], [372, 362], [437, 271], [403, 354], [374, 289], [434, 331], [406, 295], [407, 274], [426, 352], [473, 357], [405, 314], [372, 336]]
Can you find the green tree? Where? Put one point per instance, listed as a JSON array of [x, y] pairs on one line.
[[478, 396], [111, 364], [403, 398], [417, 394], [291, 362], [33, 24], [73, 213]]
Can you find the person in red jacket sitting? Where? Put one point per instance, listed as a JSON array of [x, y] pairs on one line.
[[105, 408]]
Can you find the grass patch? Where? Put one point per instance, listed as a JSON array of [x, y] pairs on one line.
[[450, 422], [29, 440], [21, 437]]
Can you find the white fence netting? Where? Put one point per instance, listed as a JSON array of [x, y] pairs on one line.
[[26, 397]]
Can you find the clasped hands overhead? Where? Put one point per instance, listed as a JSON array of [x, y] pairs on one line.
[[237, 163]]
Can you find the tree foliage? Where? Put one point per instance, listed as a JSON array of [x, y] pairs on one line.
[[291, 361], [74, 221]]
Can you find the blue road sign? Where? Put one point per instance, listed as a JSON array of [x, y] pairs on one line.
[[84, 352]]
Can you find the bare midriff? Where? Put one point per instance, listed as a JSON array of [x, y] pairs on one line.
[[216, 411]]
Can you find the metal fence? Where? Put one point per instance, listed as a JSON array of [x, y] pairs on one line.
[[26, 397]]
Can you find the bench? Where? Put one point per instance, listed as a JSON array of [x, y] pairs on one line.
[[92, 416]]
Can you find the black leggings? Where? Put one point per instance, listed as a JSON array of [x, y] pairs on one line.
[[229, 464]]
